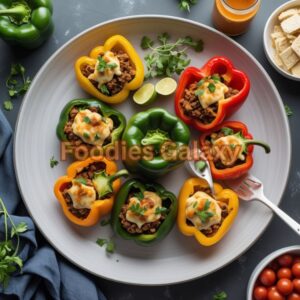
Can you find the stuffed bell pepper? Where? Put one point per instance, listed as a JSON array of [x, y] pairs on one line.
[[88, 190], [111, 71], [229, 149], [91, 123], [143, 212], [26, 23], [206, 96], [204, 216], [150, 137]]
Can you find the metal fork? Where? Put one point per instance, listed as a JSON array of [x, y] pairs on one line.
[[250, 188]]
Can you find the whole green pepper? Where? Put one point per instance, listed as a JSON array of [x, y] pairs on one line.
[[155, 128], [169, 205], [105, 110], [26, 23]]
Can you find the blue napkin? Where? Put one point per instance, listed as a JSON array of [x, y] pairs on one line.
[[45, 274]]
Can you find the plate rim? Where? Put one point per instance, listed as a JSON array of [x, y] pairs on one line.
[[135, 17]]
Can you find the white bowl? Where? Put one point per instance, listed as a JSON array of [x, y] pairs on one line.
[[264, 263], [269, 50]]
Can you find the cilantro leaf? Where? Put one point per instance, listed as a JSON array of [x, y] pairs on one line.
[[288, 110], [185, 5], [160, 210], [137, 209], [227, 131], [146, 42], [53, 162], [109, 244], [102, 65], [220, 296], [8, 105], [104, 90], [20, 228], [86, 120], [204, 214], [211, 87], [139, 195]]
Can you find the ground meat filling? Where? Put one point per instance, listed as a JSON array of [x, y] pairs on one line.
[[225, 212], [87, 174], [192, 108], [118, 82], [217, 161], [75, 140], [132, 228]]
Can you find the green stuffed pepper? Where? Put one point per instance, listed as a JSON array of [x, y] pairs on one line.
[[91, 123], [26, 23], [143, 212], [154, 133]]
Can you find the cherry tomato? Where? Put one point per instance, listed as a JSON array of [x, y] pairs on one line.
[[284, 273], [296, 283], [296, 259], [294, 296], [284, 286], [285, 260], [267, 277], [260, 293], [275, 295], [274, 265], [296, 270]]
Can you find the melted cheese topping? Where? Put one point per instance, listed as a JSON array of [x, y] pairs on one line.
[[91, 127], [82, 196], [196, 203], [150, 203], [108, 74], [234, 149], [208, 98]]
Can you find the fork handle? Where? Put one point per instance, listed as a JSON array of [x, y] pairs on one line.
[[280, 213]]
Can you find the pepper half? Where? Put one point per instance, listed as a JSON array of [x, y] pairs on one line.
[[222, 195], [106, 183], [26, 23], [154, 128], [105, 111], [116, 42], [232, 77], [169, 202], [240, 133]]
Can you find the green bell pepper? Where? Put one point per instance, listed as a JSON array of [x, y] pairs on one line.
[[106, 111], [169, 210], [154, 128], [26, 23]]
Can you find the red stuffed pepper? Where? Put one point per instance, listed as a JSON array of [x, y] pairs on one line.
[[206, 96], [229, 149]]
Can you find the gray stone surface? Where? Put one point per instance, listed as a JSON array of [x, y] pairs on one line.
[[73, 16]]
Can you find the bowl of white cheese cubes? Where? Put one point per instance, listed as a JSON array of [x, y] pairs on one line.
[[282, 39]]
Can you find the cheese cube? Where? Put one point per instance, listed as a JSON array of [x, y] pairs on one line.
[[278, 60], [288, 13], [291, 24], [296, 70], [277, 35], [281, 44], [296, 45], [289, 57]]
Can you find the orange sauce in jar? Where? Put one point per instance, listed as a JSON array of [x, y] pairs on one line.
[[233, 17]]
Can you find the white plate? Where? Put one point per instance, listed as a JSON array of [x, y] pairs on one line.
[[177, 258]]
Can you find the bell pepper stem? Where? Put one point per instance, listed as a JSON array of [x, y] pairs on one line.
[[19, 14], [258, 143]]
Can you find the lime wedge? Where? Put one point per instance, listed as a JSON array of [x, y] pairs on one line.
[[166, 86], [145, 94]]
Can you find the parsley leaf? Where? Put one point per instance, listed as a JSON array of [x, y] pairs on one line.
[[81, 180], [102, 65], [20, 228], [288, 110], [211, 87], [137, 209], [86, 120], [160, 210], [8, 105], [109, 245], [204, 214], [185, 5], [227, 131], [112, 65], [53, 162], [139, 195], [104, 90], [199, 92], [220, 296], [146, 43]]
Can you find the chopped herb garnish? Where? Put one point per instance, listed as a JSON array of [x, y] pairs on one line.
[[86, 135], [227, 131], [168, 58], [201, 82], [53, 162], [220, 296], [112, 65], [288, 110], [186, 4], [216, 78], [105, 222], [204, 214], [160, 210], [201, 165], [109, 245], [102, 64], [211, 87], [199, 93], [104, 90], [139, 195], [86, 120], [137, 209], [8, 105], [81, 180]]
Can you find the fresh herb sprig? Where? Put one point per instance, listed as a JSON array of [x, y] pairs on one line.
[[53, 162], [204, 214], [288, 110], [168, 58], [9, 259], [220, 296], [137, 209], [108, 243], [186, 4]]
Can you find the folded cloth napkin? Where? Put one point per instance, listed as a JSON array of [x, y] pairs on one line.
[[45, 274]]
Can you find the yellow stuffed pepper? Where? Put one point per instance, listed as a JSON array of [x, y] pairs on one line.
[[88, 190], [203, 216], [111, 71]]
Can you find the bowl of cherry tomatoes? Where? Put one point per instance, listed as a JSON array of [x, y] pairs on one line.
[[277, 277]]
